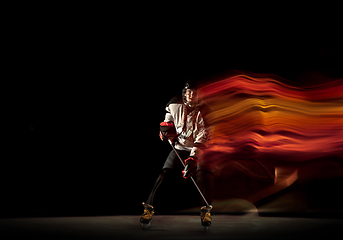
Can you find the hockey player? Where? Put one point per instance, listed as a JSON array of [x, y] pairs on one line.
[[184, 125]]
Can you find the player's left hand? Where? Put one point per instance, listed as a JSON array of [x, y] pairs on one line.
[[190, 168]]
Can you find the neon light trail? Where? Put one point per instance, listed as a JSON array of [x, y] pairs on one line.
[[274, 120]]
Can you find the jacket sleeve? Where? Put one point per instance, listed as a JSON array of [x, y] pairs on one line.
[[201, 135], [168, 117]]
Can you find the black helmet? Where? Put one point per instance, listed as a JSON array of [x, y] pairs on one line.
[[190, 84]]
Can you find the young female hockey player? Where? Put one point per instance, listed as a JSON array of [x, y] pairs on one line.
[[184, 125]]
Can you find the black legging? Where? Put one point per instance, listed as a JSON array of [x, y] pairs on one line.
[[204, 177]]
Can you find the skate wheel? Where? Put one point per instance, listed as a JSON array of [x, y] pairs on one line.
[[146, 225], [205, 229]]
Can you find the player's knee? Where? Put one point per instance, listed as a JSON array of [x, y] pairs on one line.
[[202, 175]]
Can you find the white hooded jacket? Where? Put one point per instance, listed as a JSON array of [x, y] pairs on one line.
[[195, 133]]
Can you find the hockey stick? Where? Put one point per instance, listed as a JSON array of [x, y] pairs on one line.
[[171, 144]]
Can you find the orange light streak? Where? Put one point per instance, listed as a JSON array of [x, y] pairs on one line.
[[277, 119]]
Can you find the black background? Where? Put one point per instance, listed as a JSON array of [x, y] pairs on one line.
[[88, 91]]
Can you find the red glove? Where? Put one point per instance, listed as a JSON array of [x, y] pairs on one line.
[[190, 168], [167, 131]]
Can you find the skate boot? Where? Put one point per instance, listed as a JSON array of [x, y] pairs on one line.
[[147, 215], [205, 215]]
